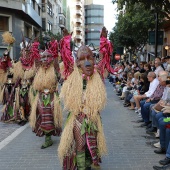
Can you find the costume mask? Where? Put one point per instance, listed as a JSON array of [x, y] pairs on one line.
[[85, 60], [46, 59]]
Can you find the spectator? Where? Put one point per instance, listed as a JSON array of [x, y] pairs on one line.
[[158, 66], [147, 68], [154, 98], [153, 85]]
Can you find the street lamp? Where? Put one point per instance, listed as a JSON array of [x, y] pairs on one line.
[[156, 33]]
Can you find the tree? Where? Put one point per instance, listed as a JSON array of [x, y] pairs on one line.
[[57, 36], [131, 30], [161, 6]]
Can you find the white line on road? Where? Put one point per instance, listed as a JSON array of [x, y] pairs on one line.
[[12, 136]]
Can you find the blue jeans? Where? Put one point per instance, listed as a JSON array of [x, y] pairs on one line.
[[155, 117], [168, 142], [164, 139], [145, 110]]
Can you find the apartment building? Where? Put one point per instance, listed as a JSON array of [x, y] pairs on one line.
[[32, 17], [94, 21], [77, 21], [53, 15], [18, 16]]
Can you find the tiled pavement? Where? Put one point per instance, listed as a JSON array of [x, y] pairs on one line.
[[128, 147], [6, 129]]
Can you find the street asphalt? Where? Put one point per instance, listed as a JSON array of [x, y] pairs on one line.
[[128, 145]]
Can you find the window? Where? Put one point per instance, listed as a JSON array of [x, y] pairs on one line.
[[49, 26], [4, 23], [2, 51], [39, 11], [33, 4], [43, 5], [43, 24], [27, 31], [36, 33], [49, 9]]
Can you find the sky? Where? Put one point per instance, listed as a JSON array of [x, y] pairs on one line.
[[109, 13]]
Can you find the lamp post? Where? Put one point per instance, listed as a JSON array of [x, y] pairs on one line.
[[156, 33]]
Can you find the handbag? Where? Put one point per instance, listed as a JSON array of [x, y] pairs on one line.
[[157, 107]]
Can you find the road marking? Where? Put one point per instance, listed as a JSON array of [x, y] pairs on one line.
[[7, 140]]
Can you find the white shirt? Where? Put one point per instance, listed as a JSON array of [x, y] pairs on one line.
[[152, 87], [166, 93], [158, 69]]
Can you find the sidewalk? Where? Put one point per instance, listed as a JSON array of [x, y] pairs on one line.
[[127, 148]]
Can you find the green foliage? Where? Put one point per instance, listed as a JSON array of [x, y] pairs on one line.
[[131, 30], [161, 6], [57, 36]]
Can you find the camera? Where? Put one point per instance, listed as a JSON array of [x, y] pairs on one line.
[[167, 82]]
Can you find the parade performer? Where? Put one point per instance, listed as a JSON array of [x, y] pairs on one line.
[[106, 49], [66, 52], [82, 142], [27, 66], [8, 92], [46, 115]]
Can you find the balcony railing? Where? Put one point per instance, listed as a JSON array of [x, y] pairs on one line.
[[79, 20], [79, 4], [79, 37], [78, 29], [62, 22], [78, 12]]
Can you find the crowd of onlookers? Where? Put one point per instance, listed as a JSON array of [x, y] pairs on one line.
[[145, 88]]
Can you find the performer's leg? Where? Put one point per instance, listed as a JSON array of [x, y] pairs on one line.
[[88, 160], [48, 141], [81, 160]]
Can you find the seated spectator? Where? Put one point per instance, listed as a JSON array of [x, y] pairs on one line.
[[153, 85], [136, 67], [141, 65], [158, 107], [127, 85], [158, 66], [154, 98], [167, 58], [144, 87], [147, 69]]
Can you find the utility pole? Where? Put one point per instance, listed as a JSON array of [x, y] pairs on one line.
[[156, 33]]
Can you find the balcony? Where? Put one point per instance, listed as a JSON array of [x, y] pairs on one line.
[[79, 4], [78, 12], [79, 20], [62, 22], [78, 29], [33, 14], [78, 37], [24, 9], [17, 5], [61, 15]]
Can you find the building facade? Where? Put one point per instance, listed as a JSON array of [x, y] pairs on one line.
[[32, 18], [77, 21], [19, 17], [53, 16], [94, 21]]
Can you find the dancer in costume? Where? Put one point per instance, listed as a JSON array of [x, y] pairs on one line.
[[9, 91], [27, 66], [82, 142], [106, 49], [46, 115]]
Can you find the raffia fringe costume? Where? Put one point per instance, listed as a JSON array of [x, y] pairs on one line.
[[82, 141]]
